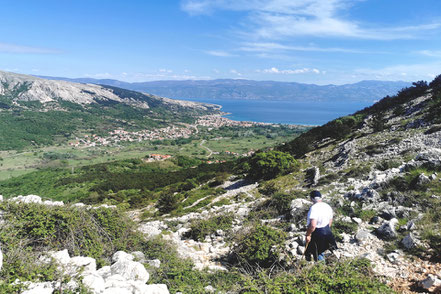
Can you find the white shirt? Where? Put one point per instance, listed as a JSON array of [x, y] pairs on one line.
[[321, 212]]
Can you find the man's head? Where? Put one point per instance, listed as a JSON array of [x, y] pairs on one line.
[[316, 196]]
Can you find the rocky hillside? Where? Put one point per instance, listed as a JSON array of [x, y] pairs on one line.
[[18, 87], [37, 111], [243, 231]]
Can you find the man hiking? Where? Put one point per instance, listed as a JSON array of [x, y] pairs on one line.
[[319, 237]]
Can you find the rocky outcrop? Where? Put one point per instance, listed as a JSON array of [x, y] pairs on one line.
[[124, 276]]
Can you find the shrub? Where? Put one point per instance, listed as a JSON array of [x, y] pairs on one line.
[[30, 229], [168, 202], [268, 165], [354, 276], [201, 228], [259, 246], [339, 227]]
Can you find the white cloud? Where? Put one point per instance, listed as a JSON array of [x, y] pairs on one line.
[[278, 19], [144, 77], [219, 53], [18, 49], [431, 53], [275, 70], [164, 70], [235, 72], [408, 72], [271, 46]]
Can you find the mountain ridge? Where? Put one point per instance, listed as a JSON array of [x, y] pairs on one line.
[[367, 91]]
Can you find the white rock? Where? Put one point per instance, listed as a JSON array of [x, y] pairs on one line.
[[138, 256], [121, 255], [300, 250], [40, 288], [62, 257], [116, 281], [357, 220], [104, 272], [88, 264], [94, 282], [53, 203], [27, 199], [131, 270], [154, 263], [209, 289], [116, 290], [1, 198], [243, 212], [140, 288]]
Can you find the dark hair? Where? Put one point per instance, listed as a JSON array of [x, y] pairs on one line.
[[315, 194]]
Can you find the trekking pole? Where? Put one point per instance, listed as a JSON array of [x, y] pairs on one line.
[[306, 248]]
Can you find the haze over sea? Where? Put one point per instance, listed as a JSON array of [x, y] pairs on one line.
[[285, 112]]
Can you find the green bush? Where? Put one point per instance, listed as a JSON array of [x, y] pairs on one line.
[[339, 227], [201, 228], [268, 165], [259, 246], [354, 276]]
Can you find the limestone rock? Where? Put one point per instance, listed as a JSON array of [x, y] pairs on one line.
[[430, 281], [94, 282], [121, 255], [361, 236], [387, 230], [130, 270], [151, 289], [40, 288], [409, 241], [139, 256], [313, 175]]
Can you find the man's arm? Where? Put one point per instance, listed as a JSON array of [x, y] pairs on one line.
[[311, 228], [330, 223]]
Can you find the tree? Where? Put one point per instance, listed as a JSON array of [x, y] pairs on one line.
[[268, 165]]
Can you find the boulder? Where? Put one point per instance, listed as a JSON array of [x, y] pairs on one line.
[[94, 282], [1, 198], [130, 270], [154, 263], [116, 290], [422, 180], [104, 272], [27, 199], [86, 264], [40, 288], [121, 255], [409, 241], [430, 281], [139, 256], [154, 289], [62, 257], [361, 236], [387, 230]]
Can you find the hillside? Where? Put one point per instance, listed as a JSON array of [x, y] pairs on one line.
[[42, 112], [364, 91], [239, 226]]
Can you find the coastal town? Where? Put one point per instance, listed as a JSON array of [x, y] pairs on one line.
[[120, 135]]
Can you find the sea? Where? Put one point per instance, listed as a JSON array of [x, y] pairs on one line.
[[285, 112]]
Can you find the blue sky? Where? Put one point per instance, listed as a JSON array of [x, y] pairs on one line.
[[311, 41]]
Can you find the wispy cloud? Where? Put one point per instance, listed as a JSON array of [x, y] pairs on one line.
[[219, 53], [431, 53], [278, 19], [235, 72], [408, 72], [271, 46], [275, 70], [19, 49]]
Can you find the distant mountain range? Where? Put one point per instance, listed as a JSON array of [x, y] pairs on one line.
[[364, 91]]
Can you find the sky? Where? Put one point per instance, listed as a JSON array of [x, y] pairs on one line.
[[307, 41]]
